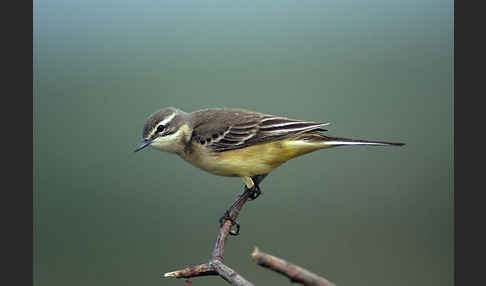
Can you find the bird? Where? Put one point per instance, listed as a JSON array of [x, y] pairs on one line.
[[239, 142]]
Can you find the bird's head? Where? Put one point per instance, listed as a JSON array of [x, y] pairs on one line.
[[165, 130]]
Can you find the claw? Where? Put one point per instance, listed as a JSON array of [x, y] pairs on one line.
[[227, 216], [255, 192]]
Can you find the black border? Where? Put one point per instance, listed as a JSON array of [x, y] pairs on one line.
[[17, 143], [469, 80]]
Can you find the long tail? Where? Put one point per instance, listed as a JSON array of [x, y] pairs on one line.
[[339, 141]]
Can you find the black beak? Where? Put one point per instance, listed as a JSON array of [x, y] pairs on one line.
[[142, 145]]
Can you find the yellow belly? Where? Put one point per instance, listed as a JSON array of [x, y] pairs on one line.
[[250, 161]]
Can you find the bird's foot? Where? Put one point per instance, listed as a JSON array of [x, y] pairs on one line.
[[226, 216], [255, 192]]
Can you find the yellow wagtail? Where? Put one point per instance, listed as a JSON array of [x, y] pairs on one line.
[[238, 142]]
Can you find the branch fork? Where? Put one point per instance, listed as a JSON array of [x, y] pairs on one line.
[[216, 267]]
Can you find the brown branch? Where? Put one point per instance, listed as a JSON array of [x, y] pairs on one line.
[[218, 250], [193, 271], [229, 274], [293, 272], [215, 265]]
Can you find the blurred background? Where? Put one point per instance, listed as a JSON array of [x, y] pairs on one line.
[[378, 70]]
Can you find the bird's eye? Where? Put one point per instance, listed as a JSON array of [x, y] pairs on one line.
[[160, 128]]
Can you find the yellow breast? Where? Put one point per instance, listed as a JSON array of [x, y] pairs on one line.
[[249, 161]]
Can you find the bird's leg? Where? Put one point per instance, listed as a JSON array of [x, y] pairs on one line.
[[255, 192], [255, 188], [252, 186]]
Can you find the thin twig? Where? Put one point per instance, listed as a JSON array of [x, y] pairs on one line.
[[230, 275], [293, 272], [218, 251], [215, 265], [193, 271]]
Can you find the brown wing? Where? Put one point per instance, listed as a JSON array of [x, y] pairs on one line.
[[228, 129]]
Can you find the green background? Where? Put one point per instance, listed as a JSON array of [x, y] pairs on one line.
[[378, 70]]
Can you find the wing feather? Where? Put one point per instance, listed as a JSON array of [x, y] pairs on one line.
[[246, 129]]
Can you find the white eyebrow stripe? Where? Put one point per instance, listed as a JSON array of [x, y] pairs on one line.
[[167, 120], [163, 122]]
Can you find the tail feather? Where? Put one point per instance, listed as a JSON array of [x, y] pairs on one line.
[[339, 141]]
